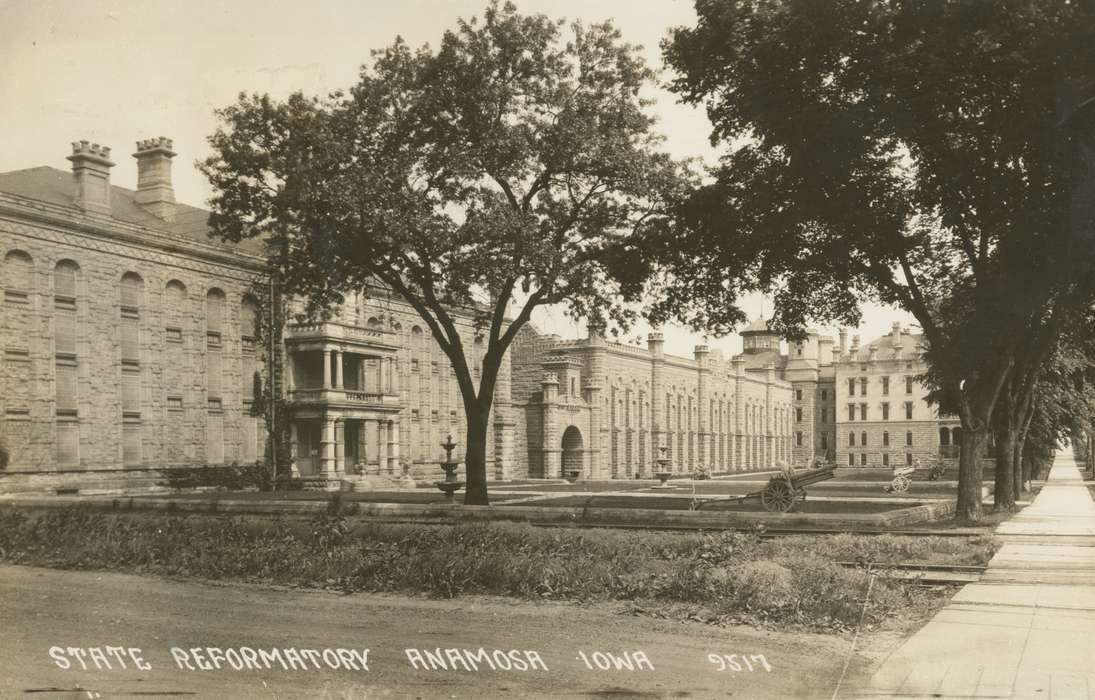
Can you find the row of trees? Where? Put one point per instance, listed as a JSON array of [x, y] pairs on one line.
[[935, 157]]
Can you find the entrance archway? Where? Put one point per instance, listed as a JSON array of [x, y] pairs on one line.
[[572, 450]]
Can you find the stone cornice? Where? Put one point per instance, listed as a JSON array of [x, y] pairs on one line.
[[64, 220]]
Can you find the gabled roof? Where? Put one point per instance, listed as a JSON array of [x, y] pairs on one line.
[[55, 186]]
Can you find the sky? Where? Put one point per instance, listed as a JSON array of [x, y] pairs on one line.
[[114, 72]]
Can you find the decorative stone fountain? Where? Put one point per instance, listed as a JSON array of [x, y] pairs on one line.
[[663, 472], [450, 485]]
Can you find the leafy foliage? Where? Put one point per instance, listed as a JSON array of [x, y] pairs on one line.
[[506, 167], [933, 156]]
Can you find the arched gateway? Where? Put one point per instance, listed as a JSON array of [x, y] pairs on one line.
[[572, 450]]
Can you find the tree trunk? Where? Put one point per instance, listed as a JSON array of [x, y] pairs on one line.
[[969, 474], [1003, 497], [475, 456]]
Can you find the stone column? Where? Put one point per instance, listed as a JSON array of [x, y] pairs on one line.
[[326, 370], [290, 368], [738, 455], [551, 447], [381, 446], [294, 449], [703, 372], [595, 463], [769, 414], [336, 358], [655, 344], [393, 447], [327, 448], [340, 447]]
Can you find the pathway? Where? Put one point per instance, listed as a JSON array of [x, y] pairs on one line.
[[1027, 629]]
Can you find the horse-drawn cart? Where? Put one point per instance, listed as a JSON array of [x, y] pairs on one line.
[[786, 488]]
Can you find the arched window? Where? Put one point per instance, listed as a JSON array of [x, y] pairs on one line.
[[18, 277], [249, 323], [214, 328], [863, 439], [374, 323], [129, 294], [174, 311], [908, 438], [214, 317], [65, 283]]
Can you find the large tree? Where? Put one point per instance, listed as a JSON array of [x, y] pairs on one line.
[[499, 172], [916, 154]]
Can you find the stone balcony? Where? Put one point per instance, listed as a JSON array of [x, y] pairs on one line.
[[326, 333], [349, 398]]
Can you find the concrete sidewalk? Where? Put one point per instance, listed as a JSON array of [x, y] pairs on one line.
[[1027, 629]]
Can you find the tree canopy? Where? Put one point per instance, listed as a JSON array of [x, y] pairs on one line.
[[923, 155], [501, 171]]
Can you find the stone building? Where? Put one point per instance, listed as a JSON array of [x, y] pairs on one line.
[[603, 409], [808, 368], [883, 417], [129, 345]]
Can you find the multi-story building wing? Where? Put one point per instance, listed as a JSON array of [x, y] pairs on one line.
[[884, 418], [129, 346], [605, 409]]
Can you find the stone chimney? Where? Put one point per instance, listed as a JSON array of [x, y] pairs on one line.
[[154, 191], [843, 347], [855, 344], [91, 166], [896, 335]]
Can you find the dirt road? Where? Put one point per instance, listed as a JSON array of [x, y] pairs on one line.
[[150, 637]]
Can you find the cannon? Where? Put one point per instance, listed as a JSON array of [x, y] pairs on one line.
[[900, 481], [786, 488]]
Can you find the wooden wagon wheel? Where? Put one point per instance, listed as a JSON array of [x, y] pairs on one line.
[[901, 483], [778, 496]]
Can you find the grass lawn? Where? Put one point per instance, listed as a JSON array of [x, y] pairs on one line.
[[685, 502], [416, 496], [790, 582]]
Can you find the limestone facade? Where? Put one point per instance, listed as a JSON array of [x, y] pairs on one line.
[[601, 410]]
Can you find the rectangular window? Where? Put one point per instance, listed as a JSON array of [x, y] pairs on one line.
[[173, 335], [863, 459], [414, 365], [131, 345], [885, 411], [174, 403], [798, 415], [213, 372], [247, 343], [825, 441], [824, 394], [885, 439], [863, 386], [67, 379], [862, 411], [824, 415], [213, 339], [908, 385], [885, 459], [851, 386], [66, 451], [798, 439], [131, 394], [798, 394], [908, 410], [131, 444], [885, 386], [65, 332], [851, 411], [214, 404], [908, 458], [851, 460], [908, 439], [851, 439]]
